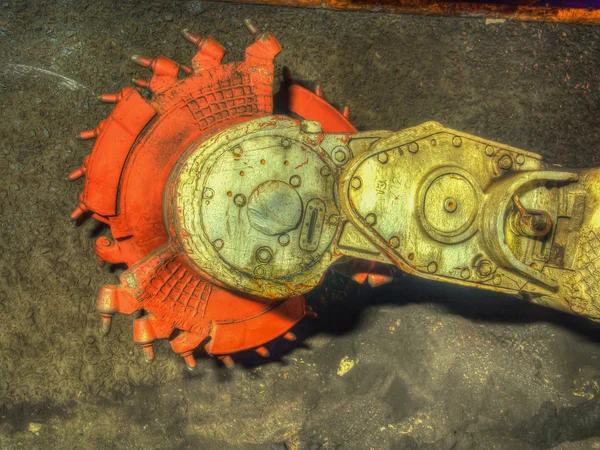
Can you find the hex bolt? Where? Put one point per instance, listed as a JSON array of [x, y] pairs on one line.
[[505, 162], [413, 147], [340, 154], [237, 151], [239, 200], [382, 157], [333, 219], [307, 260], [465, 273], [520, 159], [484, 268], [259, 272], [395, 242], [356, 182], [450, 205], [325, 172], [310, 127], [208, 193], [295, 181], [284, 240], [457, 141], [264, 255], [489, 150], [497, 279], [371, 219], [432, 267]]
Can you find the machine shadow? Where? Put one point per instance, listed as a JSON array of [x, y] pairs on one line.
[[341, 305]]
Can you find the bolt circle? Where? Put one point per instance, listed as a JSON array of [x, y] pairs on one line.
[[450, 205], [284, 240], [264, 255], [295, 181], [432, 267], [339, 154], [356, 183], [413, 147], [395, 242], [208, 193], [239, 200], [457, 141], [371, 219], [465, 273], [382, 157]]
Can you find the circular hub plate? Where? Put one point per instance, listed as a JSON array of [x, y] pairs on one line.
[[449, 202], [252, 208]]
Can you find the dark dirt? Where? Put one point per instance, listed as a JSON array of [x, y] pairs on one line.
[[435, 366]]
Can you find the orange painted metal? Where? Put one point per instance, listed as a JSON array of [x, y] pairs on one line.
[[126, 177], [516, 10]]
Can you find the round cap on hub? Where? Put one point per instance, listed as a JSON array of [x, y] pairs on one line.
[[274, 208]]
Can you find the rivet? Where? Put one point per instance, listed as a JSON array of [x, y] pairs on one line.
[[218, 244], [411, 256], [382, 157], [413, 147], [450, 204], [242, 173], [208, 193], [239, 200], [340, 154], [325, 171], [432, 267], [356, 183], [505, 162], [284, 240], [259, 272], [333, 219], [433, 142], [295, 181], [465, 273], [497, 279], [264, 254], [457, 141], [286, 143], [371, 219], [520, 159], [395, 242], [489, 150]]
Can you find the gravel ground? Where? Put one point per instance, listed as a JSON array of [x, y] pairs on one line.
[[416, 365]]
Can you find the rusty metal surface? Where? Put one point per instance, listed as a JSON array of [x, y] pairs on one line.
[[585, 13]]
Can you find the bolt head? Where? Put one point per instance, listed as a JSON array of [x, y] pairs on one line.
[[505, 162]]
